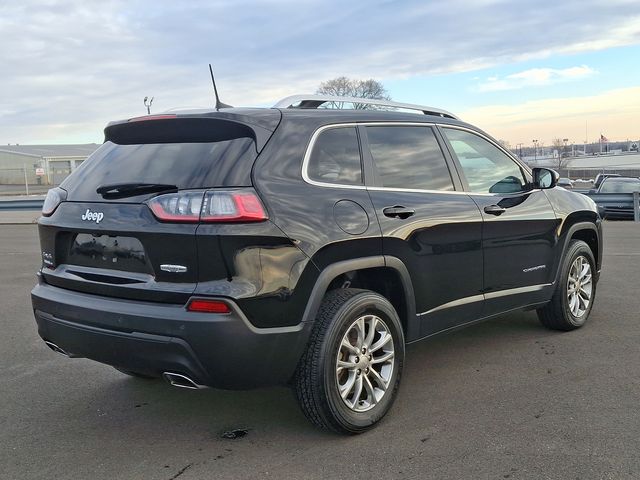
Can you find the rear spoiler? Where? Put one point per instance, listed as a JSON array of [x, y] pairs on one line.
[[171, 128]]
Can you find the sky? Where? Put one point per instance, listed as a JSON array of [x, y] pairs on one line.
[[521, 70]]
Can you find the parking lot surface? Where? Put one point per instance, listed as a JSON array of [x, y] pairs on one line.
[[501, 399]]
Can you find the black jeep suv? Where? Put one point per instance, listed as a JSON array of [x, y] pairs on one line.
[[240, 248]]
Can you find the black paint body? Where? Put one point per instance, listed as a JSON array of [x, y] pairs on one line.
[[447, 265]]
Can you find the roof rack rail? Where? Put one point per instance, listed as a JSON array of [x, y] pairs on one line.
[[315, 101]]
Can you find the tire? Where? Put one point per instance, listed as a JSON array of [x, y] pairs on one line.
[[318, 383], [562, 312], [135, 374]]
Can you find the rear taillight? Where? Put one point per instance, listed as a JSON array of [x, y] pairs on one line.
[[208, 306], [242, 205], [54, 197], [232, 206], [177, 207]]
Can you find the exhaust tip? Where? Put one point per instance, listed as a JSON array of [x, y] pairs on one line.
[[56, 348], [180, 381]]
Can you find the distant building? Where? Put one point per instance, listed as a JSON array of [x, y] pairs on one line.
[[589, 166], [55, 162]]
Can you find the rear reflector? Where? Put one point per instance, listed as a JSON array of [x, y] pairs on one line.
[[240, 205], [208, 306]]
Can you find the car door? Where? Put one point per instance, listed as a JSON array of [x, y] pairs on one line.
[[519, 222], [427, 222]]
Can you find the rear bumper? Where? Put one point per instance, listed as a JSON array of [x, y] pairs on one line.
[[617, 213], [221, 351]]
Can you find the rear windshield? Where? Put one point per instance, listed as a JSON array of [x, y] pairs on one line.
[[616, 185], [186, 165]]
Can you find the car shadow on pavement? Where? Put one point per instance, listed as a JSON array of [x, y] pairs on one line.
[[149, 405]]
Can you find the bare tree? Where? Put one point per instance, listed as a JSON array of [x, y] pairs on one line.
[[563, 159], [347, 87], [505, 144]]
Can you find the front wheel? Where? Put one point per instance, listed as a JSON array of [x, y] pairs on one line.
[[575, 290], [349, 376]]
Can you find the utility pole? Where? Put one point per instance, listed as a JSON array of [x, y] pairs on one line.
[[26, 181], [586, 137], [600, 141], [147, 103]]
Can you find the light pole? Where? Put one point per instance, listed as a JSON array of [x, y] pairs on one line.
[[563, 154], [147, 103], [535, 150]]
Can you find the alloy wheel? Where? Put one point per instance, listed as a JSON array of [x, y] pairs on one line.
[[579, 286], [365, 363]]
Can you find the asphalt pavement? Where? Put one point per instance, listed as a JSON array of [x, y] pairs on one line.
[[9, 190], [504, 399]]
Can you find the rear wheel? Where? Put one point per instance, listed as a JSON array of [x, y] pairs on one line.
[[575, 290], [348, 378]]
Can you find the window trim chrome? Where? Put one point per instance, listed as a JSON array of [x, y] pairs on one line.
[[307, 157], [318, 131], [314, 137]]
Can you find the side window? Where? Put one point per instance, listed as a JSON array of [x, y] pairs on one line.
[[408, 157], [336, 157], [487, 168]]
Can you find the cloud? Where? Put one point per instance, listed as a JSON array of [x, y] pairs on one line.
[[535, 77], [613, 112], [69, 67]]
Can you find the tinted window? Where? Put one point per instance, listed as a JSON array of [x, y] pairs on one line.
[[487, 168], [618, 185], [408, 157], [336, 157], [186, 165]]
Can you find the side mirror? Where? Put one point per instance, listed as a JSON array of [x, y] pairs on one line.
[[545, 178]]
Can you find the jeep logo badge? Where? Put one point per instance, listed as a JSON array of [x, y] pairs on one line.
[[90, 216]]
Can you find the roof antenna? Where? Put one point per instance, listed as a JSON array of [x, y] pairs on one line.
[[219, 104]]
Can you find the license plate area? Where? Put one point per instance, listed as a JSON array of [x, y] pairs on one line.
[[108, 251]]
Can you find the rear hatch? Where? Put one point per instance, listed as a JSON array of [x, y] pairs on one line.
[[104, 238]]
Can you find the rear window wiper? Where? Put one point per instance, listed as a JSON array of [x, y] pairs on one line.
[[122, 190]]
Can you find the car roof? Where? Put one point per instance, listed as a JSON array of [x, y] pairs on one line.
[[621, 179], [366, 115], [267, 116]]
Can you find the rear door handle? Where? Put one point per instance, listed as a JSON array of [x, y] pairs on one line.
[[398, 211], [494, 210]]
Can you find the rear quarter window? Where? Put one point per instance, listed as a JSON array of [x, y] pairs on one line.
[[335, 157]]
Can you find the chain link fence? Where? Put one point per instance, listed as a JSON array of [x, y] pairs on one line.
[[16, 181]]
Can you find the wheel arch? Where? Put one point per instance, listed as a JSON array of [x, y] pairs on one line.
[[385, 275], [589, 231]]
